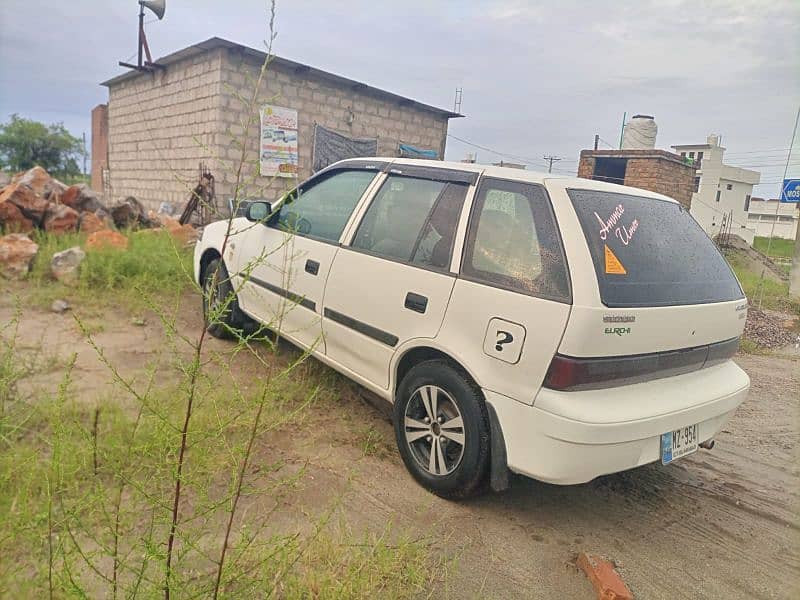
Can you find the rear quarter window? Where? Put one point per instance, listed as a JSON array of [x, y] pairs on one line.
[[650, 252]]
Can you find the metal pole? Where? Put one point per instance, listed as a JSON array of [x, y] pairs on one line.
[[778, 208], [141, 30], [596, 140], [622, 129]]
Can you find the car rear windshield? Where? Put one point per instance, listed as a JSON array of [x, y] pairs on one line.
[[650, 252]]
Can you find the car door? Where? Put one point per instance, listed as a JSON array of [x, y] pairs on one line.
[[391, 282], [512, 300], [289, 258]]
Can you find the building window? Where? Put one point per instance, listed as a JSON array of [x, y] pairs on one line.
[[718, 195], [683, 154], [747, 203], [729, 186], [691, 154], [696, 184], [699, 159]]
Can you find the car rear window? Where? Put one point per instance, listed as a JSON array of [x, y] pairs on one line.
[[650, 252]]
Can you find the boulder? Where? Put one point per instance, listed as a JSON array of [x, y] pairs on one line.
[[164, 220], [12, 220], [39, 180], [82, 198], [33, 207], [70, 197], [60, 219], [184, 233], [59, 306], [17, 251], [130, 214], [89, 222], [106, 238], [64, 265]]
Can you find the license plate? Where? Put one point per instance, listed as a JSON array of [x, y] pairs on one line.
[[678, 443]]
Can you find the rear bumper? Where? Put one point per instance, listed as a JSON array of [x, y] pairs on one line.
[[573, 437]]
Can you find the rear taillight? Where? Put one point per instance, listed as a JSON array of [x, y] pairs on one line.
[[571, 374]]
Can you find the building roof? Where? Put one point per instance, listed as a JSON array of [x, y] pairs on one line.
[[216, 43], [640, 153]]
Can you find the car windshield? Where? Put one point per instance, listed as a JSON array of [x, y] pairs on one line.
[[650, 252]]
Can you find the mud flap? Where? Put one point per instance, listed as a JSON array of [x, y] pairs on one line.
[[498, 466]]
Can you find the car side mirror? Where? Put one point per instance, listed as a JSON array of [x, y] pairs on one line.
[[259, 212]]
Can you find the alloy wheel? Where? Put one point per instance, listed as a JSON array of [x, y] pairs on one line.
[[434, 430]]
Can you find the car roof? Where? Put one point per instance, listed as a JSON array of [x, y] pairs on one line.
[[539, 177]]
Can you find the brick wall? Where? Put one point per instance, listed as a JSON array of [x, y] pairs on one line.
[[671, 178], [99, 145], [160, 127], [316, 100], [655, 170]]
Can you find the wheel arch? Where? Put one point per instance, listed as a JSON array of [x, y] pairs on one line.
[[416, 354], [498, 461], [206, 257]]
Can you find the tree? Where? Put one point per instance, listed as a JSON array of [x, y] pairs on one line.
[[25, 143]]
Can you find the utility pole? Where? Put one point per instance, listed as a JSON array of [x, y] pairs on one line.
[[84, 153], [551, 159]]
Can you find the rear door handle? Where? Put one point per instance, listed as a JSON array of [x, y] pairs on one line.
[[312, 267], [416, 302]]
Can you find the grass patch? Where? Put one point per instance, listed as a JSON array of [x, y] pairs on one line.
[[154, 265], [780, 247], [775, 293], [86, 484], [65, 464]]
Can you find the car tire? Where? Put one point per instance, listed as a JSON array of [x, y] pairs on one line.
[[217, 287], [451, 456]]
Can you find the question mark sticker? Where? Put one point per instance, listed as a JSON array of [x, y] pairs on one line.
[[504, 337]]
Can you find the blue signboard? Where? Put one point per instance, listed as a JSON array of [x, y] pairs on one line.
[[791, 190]]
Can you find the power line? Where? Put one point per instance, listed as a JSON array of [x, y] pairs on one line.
[[497, 152]]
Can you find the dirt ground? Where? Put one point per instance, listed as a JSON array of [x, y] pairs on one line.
[[718, 524]]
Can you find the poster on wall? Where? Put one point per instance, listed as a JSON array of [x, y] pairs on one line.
[[278, 142]]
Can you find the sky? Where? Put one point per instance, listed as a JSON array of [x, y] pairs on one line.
[[538, 78]]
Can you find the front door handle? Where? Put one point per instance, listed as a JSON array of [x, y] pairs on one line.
[[416, 302], [312, 267]]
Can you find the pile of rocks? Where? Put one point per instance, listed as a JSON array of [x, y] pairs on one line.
[[769, 329], [33, 200]]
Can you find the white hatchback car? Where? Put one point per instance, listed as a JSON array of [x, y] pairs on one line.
[[556, 327]]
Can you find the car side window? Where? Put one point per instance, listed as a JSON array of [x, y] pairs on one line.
[[321, 209], [412, 220], [512, 241]]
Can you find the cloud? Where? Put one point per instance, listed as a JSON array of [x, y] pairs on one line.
[[538, 78]]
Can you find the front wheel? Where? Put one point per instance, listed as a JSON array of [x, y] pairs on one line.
[[224, 319], [442, 429]]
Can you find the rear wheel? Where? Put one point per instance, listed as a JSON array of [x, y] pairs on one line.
[[442, 429], [224, 319]]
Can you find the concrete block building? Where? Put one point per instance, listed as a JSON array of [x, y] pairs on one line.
[[773, 218], [649, 169], [720, 191], [158, 127]]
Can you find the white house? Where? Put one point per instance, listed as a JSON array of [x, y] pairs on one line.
[[763, 214], [721, 192]]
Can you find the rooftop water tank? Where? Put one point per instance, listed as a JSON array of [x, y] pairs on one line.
[[640, 133]]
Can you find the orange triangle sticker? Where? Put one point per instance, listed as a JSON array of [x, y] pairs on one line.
[[613, 266]]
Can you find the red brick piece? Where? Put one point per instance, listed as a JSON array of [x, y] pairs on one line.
[[604, 578]]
